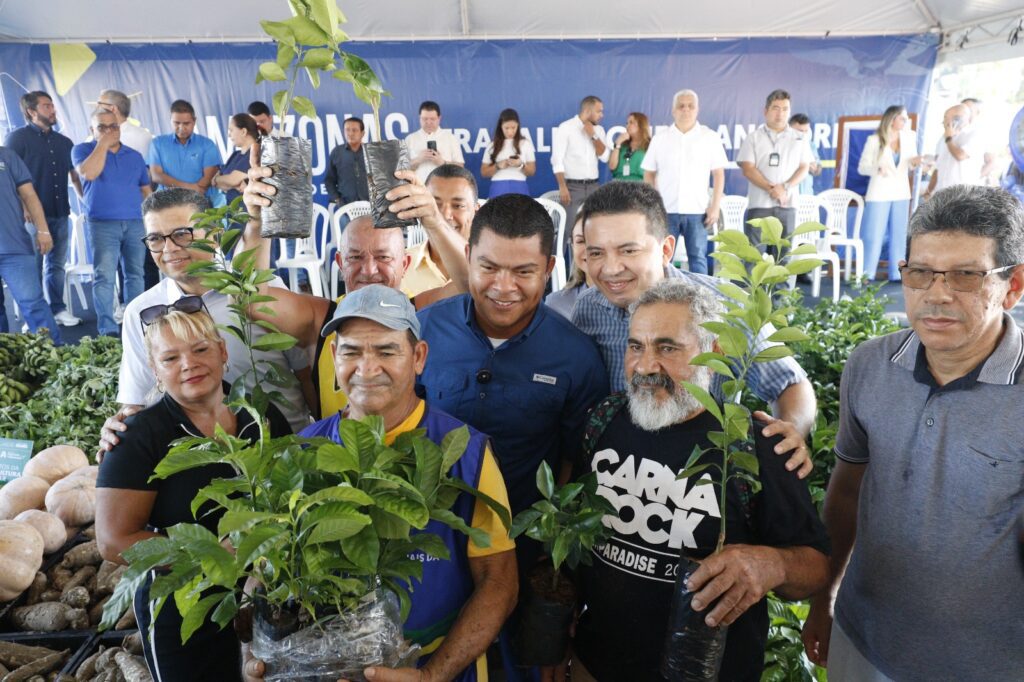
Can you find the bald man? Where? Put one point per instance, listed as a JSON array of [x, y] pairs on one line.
[[960, 154]]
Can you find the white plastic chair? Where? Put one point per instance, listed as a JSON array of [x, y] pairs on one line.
[[836, 203], [351, 210], [732, 209], [310, 253], [557, 213], [415, 235], [807, 206], [79, 267]]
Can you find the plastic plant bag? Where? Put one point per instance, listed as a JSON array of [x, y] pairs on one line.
[[338, 646], [382, 160], [693, 651], [290, 214], [545, 616]]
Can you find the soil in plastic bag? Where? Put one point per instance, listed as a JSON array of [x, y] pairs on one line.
[[338, 646], [693, 651], [290, 215], [382, 160], [545, 616]]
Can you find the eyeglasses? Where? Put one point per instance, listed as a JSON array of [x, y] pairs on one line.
[[108, 128], [185, 304], [181, 236], [957, 280]]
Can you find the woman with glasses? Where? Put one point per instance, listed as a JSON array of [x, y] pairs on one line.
[[630, 149], [187, 356], [233, 175], [889, 156], [509, 159]]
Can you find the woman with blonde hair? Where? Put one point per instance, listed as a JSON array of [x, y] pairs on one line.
[[630, 148], [888, 157], [187, 355]]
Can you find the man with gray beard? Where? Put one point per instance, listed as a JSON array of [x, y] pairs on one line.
[[774, 539]]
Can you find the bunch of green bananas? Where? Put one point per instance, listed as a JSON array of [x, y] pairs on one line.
[[12, 391], [40, 358]]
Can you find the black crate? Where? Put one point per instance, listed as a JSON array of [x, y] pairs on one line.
[[49, 562], [108, 639], [77, 641]]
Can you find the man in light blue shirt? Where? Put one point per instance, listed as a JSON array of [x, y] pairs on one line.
[[184, 158], [628, 251]]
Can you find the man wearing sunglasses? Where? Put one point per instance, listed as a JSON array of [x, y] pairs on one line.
[[927, 487], [167, 215], [115, 181]]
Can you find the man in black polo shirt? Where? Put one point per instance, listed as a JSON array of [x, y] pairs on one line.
[[346, 171], [47, 154], [774, 541]]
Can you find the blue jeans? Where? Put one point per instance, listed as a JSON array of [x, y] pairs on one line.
[[23, 278], [881, 217], [52, 264], [111, 240], [695, 236]]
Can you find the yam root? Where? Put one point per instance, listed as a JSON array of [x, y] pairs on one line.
[[40, 665], [87, 670], [90, 531], [127, 620], [80, 578], [36, 589], [133, 643], [106, 660], [14, 655], [46, 616], [132, 667], [49, 595], [108, 576], [3, 670], [85, 554], [59, 577], [96, 610], [78, 619], [76, 597]]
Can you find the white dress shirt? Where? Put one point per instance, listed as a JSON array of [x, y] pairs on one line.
[[758, 147], [967, 172], [683, 163], [447, 146], [573, 153], [136, 384]]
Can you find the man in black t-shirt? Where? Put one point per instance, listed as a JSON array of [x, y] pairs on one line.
[[775, 540]]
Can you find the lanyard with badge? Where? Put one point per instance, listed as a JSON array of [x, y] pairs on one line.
[[774, 159], [627, 154]]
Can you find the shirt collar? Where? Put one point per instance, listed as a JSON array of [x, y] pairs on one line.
[[696, 127], [469, 309], [174, 291], [1001, 368], [37, 129], [421, 254], [408, 424]]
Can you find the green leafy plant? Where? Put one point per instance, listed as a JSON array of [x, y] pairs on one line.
[[317, 524], [567, 520], [752, 280], [311, 41], [784, 657]]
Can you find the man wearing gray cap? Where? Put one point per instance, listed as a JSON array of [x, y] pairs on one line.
[[377, 355]]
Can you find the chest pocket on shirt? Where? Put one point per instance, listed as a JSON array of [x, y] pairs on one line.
[[447, 385], [993, 480], [534, 397]]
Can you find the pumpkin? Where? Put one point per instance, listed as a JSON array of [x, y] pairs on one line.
[[26, 492], [88, 471], [49, 526], [21, 555], [73, 500], [57, 462]]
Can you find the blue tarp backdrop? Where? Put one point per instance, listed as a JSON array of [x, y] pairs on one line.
[[473, 80]]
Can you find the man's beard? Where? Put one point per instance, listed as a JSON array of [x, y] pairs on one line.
[[650, 413]]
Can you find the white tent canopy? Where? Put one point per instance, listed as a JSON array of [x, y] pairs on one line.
[[984, 21]]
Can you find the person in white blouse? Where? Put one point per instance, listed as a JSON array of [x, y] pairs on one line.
[[888, 157], [509, 159]]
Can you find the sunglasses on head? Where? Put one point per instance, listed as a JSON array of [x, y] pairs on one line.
[[185, 304]]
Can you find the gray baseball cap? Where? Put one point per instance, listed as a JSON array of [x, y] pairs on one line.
[[384, 305]]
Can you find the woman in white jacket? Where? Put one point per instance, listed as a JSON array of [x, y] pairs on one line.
[[889, 156]]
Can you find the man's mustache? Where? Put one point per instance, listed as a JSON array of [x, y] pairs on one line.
[[658, 380]]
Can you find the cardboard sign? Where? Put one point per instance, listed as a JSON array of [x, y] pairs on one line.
[[13, 455]]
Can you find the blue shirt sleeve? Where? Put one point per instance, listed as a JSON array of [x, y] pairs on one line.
[[154, 153], [211, 157], [19, 171], [80, 152]]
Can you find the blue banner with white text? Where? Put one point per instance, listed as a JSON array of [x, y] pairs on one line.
[[473, 81]]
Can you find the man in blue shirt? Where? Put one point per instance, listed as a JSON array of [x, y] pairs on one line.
[[184, 158], [18, 266], [628, 251], [346, 179], [500, 361], [116, 182], [47, 154]]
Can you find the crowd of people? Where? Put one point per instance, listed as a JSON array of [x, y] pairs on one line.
[[457, 331]]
